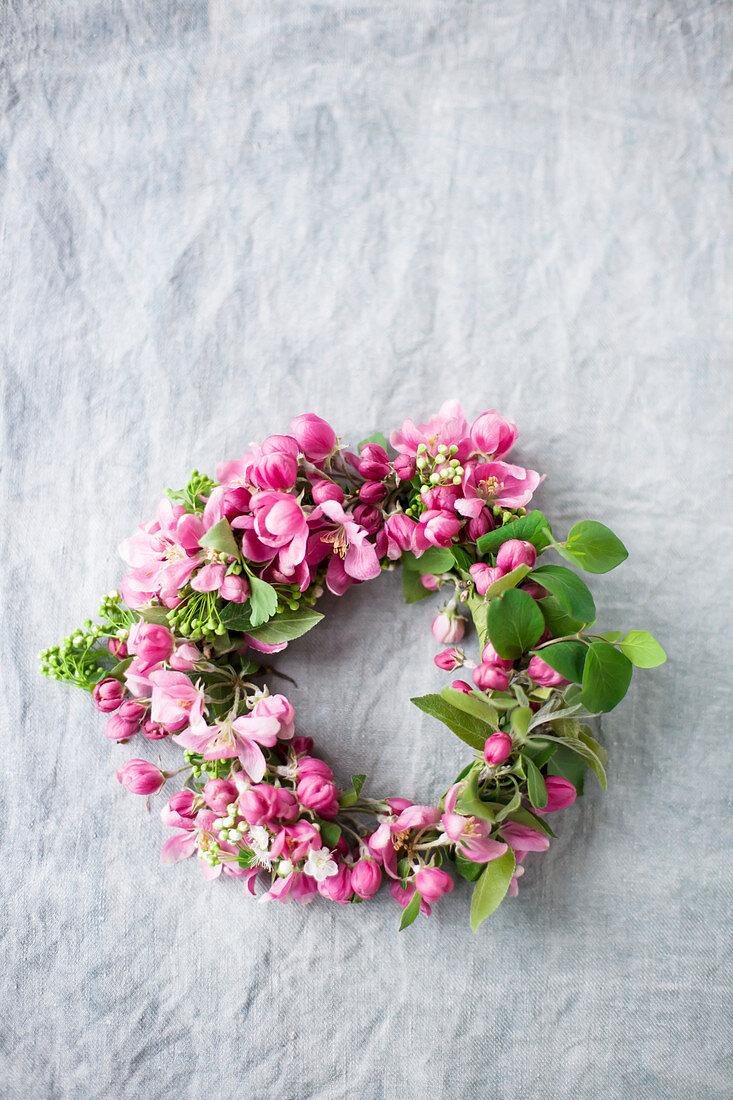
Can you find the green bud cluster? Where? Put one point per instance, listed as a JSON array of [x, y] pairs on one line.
[[192, 497], [82, 658], [206, 769], [289, 597], [434, 470], [231, 828], [197, 617]]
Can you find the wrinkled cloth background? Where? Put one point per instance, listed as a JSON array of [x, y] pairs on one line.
[[216, 215]]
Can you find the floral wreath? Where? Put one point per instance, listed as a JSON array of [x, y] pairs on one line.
[[230, 571]]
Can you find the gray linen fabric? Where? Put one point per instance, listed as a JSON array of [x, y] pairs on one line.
[[217, 215]]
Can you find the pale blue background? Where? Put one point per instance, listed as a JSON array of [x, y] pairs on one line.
[[216, 215]]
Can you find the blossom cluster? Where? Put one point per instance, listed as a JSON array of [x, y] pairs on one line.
[[230, 570]]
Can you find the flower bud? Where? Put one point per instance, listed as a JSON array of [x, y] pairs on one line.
[[374, 463], [218, 794], [560, 793], [126, 722], [449, 660], [429, 581], [365, 878], [431, 883], [489, 656], [484, 576], [492, 435], [490, 678], [276, 471], [316, 438], [141, 777], [514, 553], [338, 887], [497, 749], [319, 794], [461, 685], [543, 675], [150, 642], [117, 648], [448, 627], [371, 492], [234, 588], [368, 517], [326, 490], [405, 467], [108, 695]]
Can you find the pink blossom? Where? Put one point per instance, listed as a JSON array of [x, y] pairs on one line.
[[277, 470], [117, 648], [484, 576], [491, 657], [218, 794], [542, 674], [449, 660], [432, 884], [353, 555], [185, 657], [399, 531], [126, 722], [560, 794], [436, 528], [176, 702], [226, 502], [318, 793], [150, 642], [381, 842], [234, 588], [404, 896], [469, 834], [279, 525], [492, 435], [365, 878], [338, 887], [209, 578], [514, 553], [294, 887], [277, 706], [448, 426], [239, 737], [262, 804], [108, 695], [163, 555], [496, 483], [141, 777], [316, 439], [523, 839], [498, 748], [181, 810], [488, 677], [448, 627], [405, 467], [429, 581]]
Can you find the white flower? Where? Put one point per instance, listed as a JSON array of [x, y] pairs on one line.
[[259, 842], [319, 864]]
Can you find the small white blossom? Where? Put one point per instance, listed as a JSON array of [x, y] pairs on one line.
[[319, 864], [259, 842]]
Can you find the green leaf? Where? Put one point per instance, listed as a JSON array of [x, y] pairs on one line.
[[413, 588], [568, 764], [220, 537], [375, 437], [330, 834], [263, 601], [533, 821], [155, 614], [586, 736], [643, 649], [539, 752], [491, 888], [535, 785], [569, 590], [534, 528], [467, 868], [471, 730], [411, 912], [357, 782], [285, 627], [117, 672], [435, 561], [593, 547], [237, 616], [612, 635], [470, 803], [606, 677], [567, 658], [479, 608], [462, 558], [515, 623], [585, 753], [557, 620], [511, 807], [509, 580], [471, 704], [520, 718]]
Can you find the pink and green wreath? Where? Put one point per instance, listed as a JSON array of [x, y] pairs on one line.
[[231, 571]]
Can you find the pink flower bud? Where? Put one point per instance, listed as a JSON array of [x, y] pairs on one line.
[[275, 471], [439, 527], [492, 435], [461, 685], [429, 581], [365, 878], [338, 887], [374, 463], [234, 588], [316, 438], [311, 765], [484, 576], [319, 794], [108, 695], [497, 749], [560, 793], [489, 656], [280, 444], [140, 777], [126, 722], [536, 591], [543, 675], [449, 660], [490, 678], [431, 883], [153, 731], [262, 804], [368, 517], [371, 492], [117, 648], [150, 642], [479, 525], [277, 706], [448, 627], [405, 467], [514, 553], [302, 744], [326, 490], [218, 794]]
